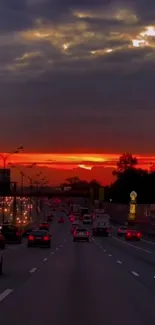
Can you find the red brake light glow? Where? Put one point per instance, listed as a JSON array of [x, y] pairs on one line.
[[129, 234], [17, 233], [138, 234], [31, 237], [46, 238], [87, 233]]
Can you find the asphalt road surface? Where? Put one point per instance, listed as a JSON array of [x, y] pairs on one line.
[[101, 282]]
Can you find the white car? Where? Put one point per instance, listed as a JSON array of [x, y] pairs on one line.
[[87, 219], [121, 231]]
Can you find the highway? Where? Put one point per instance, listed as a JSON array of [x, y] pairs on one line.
[[106, 281]]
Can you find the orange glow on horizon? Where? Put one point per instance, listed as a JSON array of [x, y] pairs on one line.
[[74, 160], [58, 167]]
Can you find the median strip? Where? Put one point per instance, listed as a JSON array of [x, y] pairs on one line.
[[5, 293]]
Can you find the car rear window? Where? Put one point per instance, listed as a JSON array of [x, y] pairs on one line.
[[39, 233], [81, 230], [9, 228]]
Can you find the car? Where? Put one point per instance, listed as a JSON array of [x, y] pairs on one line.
[[80, 234], [87, 219], [101, 229], [1, 262], [133, 234], [121, 231], [71, 218], [75, 225], [2, 241], [11, 233], [50, 217], [61, 220], [44, 226], [39, 238]]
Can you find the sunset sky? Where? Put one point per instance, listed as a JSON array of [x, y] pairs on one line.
[[58, 167], [77, 76]]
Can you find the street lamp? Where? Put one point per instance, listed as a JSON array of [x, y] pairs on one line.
[[22, 184], [5, 157]]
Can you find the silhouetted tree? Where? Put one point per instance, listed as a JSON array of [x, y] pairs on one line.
[[125, 162]]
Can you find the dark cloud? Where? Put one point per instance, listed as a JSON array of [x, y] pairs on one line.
[[69, 81]]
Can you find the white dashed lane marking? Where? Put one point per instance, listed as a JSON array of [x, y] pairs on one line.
[[52, 253], [119, 262], [5, 293], [45, 259], [33, 270], [110, 255], [134, 273]]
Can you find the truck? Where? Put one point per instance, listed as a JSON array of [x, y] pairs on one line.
[[101, 225]]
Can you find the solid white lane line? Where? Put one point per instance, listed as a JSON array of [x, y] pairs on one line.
[[134, 273], [148, 241], [5, 293], [45, 259], [119, 262], [33, 270], [133, 246]]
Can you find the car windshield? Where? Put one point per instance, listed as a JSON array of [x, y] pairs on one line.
[[39, 233], [81, 230], [123, 228]]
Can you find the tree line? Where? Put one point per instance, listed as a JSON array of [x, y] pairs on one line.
[[128, 177]]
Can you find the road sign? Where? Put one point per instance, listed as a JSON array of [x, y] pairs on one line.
[[133, 195]]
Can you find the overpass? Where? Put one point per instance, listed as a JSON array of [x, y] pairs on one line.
[[50, 193]]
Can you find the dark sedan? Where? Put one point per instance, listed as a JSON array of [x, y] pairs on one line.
[[39, 238]]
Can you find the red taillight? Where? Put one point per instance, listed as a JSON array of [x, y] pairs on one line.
[[108, 229], [74, 233], [87, 233], [1, 237], [138, 234], [46, 238], [17, 233], [31, 237], [128, 234]]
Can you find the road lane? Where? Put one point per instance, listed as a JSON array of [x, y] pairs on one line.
[[132, 259], [20, 260], [80, 285]]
